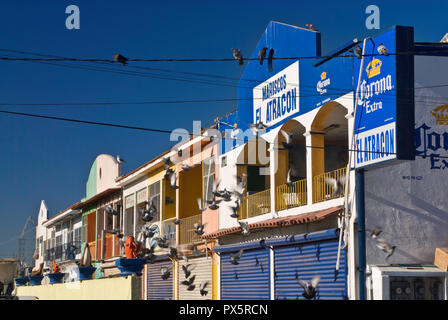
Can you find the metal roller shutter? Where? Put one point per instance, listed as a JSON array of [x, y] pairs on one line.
[[308, 260], [249, 279], [159, 289], [203, 272]]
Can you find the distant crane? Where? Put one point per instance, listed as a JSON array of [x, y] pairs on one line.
[[21, 249]]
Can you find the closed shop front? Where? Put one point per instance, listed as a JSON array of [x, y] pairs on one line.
[[250, 279], [307, 257], [202, 272], [157, 288]]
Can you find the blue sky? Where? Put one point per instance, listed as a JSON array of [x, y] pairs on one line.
[[45, 159]]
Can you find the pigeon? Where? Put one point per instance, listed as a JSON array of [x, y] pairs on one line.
[[213, 204], [235, 210], [149, 214], [169, 172], [166, 162], [149, 231], [238, 56], [199, 228], [184, 256], [119, 58], [200, 205], [189, 283], [358, 52], [257, 128], [262, 54], [336, 185], [202, 288], [116, 232], [287, 144], [187, 268], [289, 181], [177, 221], [311, 27], [444, 39], [263, 244], [168, 200], [382, 50], [234, 258], [120, 160], [179, 153], [111, 210], [186, 167], [244, 228], [173, 253], [195, 250], [271, 60], [173, 179], [309, 287], [386, 247], [162, 242], [226, 195], [165, 271], [374, 232]]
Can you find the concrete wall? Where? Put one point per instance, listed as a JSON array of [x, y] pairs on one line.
[[120, 288], [409, 201]]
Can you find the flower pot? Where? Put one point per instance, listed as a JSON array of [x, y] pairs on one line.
[[55, 277], [35, 280], [129, 267], [85, 273], [20, 281]]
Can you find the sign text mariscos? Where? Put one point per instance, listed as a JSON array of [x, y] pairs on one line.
[[278, 97]]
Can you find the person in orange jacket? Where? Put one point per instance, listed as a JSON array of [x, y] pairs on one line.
[[56, 268], [131, 248]]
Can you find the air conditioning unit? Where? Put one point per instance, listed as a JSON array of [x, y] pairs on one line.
[[407, 283]]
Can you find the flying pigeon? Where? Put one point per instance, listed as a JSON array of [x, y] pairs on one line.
[[199, 228], [149, 231], [311, 27], [309, 286], [116, 232], [262, 54], [382, 50], [386, 247], [374, 232], [200, 205], [213, 204], [119, 58], [184, 256], [237, 256], [288, 144], [289, 181], [111, 210], [186, 167], [336, 185], [238, 56], [162, 242], [358, 52], [235, 210], [173, 180], [166, 162], [169, 172], [244, 228], [173, 253], [202, 288], [120, 160], [177, 221], [257, 127], [165, 271], [195, 250], [187, 268], [149, 214]]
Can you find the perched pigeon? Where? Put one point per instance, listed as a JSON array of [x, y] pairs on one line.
[[288, 144], [119, 58], [336, 185], [165, 271], [202, 288], [237, 256], [309, 287], [116, 232], [358, 52], [257, 128], [262, 54], [187, 268], [186, 167], [199, 228], [382, 50], [173, 179], [166, 163], [244, 228], [120, 160], [177, 221], [200, 205], [238, 56], [386, 247], [311, 27]]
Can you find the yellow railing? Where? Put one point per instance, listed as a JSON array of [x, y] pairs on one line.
[[186, 229], [323, 191], [289, 197], [255, 204]]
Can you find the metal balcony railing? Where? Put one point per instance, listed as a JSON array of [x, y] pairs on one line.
[[289, 197], [186, 230], [255, 204], [323, 191]]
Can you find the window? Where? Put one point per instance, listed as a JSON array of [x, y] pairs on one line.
[[100, 226], [142, 198], [208, 174], [129, 215], [154, 196], [109, 221], [118, 218]]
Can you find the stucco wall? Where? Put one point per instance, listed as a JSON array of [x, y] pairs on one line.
[[409, 201], [120, 288]]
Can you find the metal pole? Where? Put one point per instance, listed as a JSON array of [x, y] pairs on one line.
[[360, 204]]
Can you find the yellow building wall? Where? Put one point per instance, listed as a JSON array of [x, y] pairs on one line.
[[120, 288]]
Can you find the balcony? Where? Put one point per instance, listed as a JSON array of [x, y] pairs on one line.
[[290, 197], [323, 191], [255, 204], [169, 230], [186, 230]]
